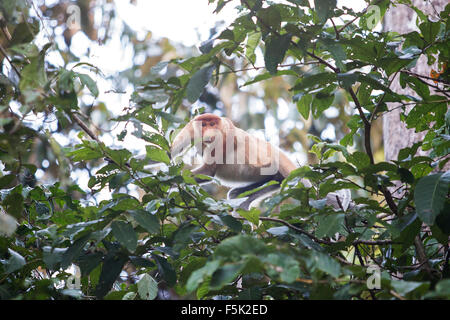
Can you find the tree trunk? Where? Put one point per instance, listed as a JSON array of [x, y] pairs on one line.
[[396, 136]]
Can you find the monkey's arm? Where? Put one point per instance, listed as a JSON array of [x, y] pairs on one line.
[[183, 138]]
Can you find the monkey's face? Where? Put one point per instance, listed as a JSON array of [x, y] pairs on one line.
[[211, 127], [210, 130]]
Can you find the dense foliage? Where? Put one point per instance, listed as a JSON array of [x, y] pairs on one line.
[[177, 237]]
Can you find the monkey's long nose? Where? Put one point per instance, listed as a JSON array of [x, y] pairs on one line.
[[208, 139]]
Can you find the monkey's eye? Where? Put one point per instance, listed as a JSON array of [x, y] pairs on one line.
[[212, 124], [203, 124]]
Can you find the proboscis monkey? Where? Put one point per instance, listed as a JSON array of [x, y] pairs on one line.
[[236, 158]]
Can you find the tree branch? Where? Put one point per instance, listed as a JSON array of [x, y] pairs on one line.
[[422, 256], [3, 52], [84, 127], [424, 77], [367, 125], [263, 67]]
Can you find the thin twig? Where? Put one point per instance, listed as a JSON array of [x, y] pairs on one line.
[[424, 77], [444, 92], [263, 67], [335, 29], [372, 116], [351, 21], [422, 256], [367, 125], [84, 127], [398, 296], [3, 51]]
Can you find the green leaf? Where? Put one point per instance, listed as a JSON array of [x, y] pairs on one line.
[[252, 42], [119, 156], [252, 215], [120, 295], [253, 293], [321, 101], [146, 220], [429, 30], [278, 231], [166, 270], [111, 269], [125, 234], [418, 86], [359, 159], [276, 47], [34, 75], [74, 251], [282, 265], [442, 290], [89, 261], [6, 180], [15, 261], [325, 263], [430, 195], [233, 248], [147, 287], [157, 154], [404, 287], [337, 51], [232, 223], [199, 275], [43, 211], [198, 82], [324, 9], [183, 236], [269, 19], [203, 289], [304, 105], [52, 256], [314, 80], [348, 79], [329, 225], [154, 138], [89, 83], [405, 175], [24, 32], [225, 275], [85, 154], [13, 203], [373, 82], [443, 219], [303, 3]]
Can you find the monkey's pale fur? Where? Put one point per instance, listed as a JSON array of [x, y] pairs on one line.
[[237, 158]]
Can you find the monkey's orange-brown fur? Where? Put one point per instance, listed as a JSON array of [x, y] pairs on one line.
[[247, 173]]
